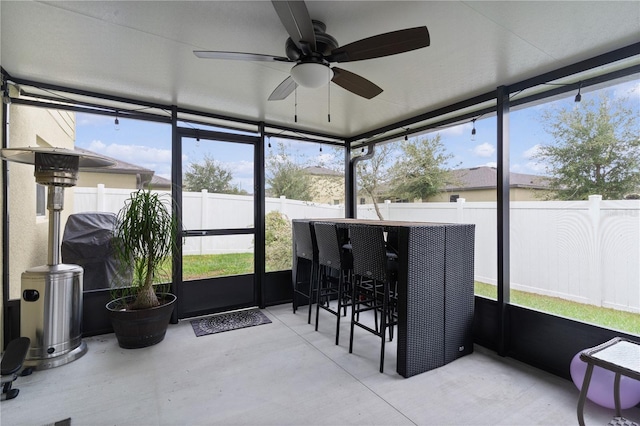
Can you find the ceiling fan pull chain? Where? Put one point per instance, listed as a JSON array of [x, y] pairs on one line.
[[329, 101], [295, 113]]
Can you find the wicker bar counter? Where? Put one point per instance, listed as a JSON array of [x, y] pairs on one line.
[[435, 290]]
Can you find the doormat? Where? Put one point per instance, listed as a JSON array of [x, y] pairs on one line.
[[229, 321]]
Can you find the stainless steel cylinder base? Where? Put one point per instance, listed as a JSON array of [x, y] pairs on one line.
[[51, 312], [44, 364]]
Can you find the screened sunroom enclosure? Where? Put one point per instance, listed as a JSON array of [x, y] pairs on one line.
[[239, 221]]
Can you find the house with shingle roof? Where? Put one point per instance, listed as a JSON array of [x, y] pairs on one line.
[[120, 175], [472, 184], [158, 182], [480, 183]]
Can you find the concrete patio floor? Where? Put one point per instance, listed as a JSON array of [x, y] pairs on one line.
[[285, 373]]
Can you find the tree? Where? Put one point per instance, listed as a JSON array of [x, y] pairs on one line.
[[285, 177], [373, 174], [596, 150], [212, 176], [420, 171], [277, 241]]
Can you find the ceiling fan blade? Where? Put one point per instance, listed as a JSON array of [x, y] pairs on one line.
[[239, 56], [296, 20], [355, 83], [382, 45], [284, 89]]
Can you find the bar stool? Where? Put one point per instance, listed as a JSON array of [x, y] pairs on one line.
[[374, 282], [334, 273], [305, 250]]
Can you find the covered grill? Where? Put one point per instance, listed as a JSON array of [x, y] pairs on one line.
[[87, 242]]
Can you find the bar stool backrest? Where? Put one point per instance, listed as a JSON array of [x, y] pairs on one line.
[[305, 240], [328, 247], [369, 251]]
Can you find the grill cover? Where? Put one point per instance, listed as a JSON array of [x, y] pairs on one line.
[[87, 242]]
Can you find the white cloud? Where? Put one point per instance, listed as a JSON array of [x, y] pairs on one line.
[[158, 160], [484, 150], [96, 146], [93, 119], [489, 164], [536, 167], [531, 152], [531, 167], [245, 183], [239, 167], [135, 154], [326, 159], [457, 130], [139, 153], [628, 90]]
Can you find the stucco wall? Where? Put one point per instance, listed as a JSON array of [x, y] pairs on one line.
[[327, 189], [523, 194], [515, 194], [28, 233], [109, 180]]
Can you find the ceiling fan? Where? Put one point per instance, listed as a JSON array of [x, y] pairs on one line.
[[312, 50]]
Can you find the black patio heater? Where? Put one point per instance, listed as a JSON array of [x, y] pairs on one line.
[[51, 300]]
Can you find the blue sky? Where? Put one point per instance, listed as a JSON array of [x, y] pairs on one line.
[[148, 144]]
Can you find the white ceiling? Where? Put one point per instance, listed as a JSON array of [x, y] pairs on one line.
[[143, 50]]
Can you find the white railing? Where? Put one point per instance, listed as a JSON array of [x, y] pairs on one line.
[[586, 251]]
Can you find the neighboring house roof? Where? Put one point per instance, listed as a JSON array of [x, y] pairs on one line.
[[158, 182], [485, 177], [120, 167], [322, 171]]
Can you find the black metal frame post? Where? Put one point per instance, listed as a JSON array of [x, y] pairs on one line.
[[502, 95], [5, 215], [259, 219], [176, 195], [349, 184]]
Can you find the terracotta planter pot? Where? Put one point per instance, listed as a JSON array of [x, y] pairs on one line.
[[140, 328]]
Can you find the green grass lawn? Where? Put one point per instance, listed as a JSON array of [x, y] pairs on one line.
[[216, 265], [211, 265], [605, 317]]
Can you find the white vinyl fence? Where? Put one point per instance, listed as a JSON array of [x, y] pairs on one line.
[[202, 210], [586, 251]]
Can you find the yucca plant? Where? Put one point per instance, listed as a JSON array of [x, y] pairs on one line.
[[143, 239]]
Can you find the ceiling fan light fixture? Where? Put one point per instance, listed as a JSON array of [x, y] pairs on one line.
[[311, 74]]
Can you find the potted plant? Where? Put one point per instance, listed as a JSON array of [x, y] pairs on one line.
[[143, 241]]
